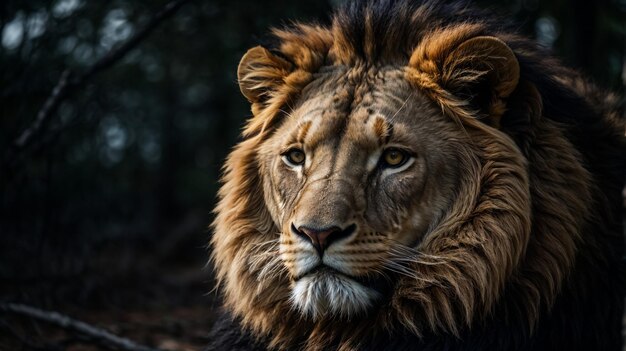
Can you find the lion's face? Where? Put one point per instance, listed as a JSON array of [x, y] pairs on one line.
[[356, 173], [371, 185]]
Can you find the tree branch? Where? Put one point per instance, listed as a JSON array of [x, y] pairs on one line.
[[58, 94], [65, 322], [68, 81]]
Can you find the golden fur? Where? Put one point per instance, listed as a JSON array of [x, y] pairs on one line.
[[477, 212]]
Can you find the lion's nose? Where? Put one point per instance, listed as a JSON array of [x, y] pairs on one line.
[[322, 238]]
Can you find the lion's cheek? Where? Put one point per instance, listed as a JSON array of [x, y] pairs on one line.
[[411, 230], [279, 187]]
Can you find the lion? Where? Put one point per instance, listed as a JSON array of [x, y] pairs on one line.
[[417, 176]]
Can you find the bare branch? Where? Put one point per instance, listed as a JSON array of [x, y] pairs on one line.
[[58, 93], [67, 82], [100, 335]]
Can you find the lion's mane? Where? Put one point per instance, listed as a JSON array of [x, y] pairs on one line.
[[532, 245]]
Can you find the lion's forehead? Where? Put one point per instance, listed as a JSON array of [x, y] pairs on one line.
[[360, 108]]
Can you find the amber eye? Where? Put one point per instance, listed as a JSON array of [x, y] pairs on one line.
[[294, 157], [394, 157]]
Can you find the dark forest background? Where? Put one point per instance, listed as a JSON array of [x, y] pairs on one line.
[[106, 192]]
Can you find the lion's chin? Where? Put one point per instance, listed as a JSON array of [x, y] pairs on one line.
[[327, 293]]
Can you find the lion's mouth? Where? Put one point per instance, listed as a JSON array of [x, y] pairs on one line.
[[376, 282], [324, 269]]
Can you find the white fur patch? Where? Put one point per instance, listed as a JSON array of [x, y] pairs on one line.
[[326, 293], [373, 160]]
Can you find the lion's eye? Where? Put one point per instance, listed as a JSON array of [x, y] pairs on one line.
[[394, 158], [294, 157]]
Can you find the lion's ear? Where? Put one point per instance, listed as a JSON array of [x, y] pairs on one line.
[[481, 70], [260, 72]]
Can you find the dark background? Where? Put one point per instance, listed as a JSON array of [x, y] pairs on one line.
[[104, 215]]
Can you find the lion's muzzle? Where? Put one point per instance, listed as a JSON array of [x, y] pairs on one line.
[[322, 238]]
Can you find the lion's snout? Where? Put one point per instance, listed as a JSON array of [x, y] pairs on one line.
[[322, 238]]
